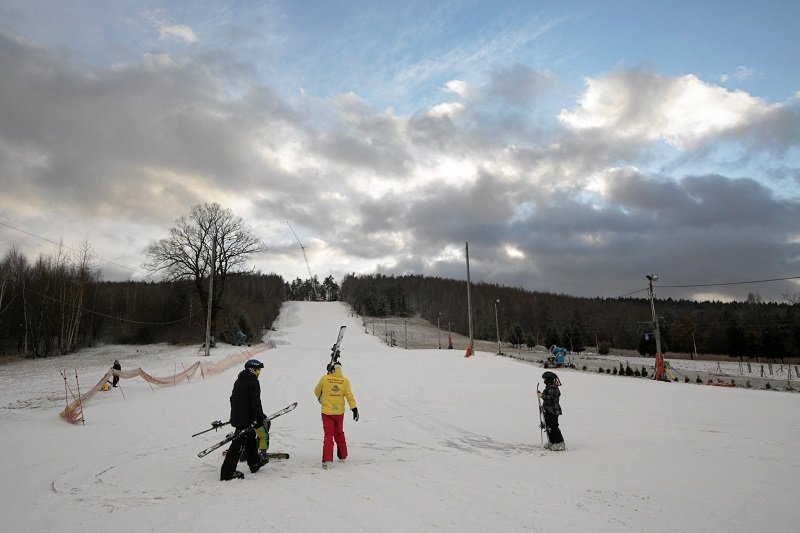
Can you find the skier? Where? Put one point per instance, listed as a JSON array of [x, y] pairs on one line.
[[246, 412], [331, 391], [115, 379], [552, 409]]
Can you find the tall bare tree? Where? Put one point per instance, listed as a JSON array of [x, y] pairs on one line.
[[187, 252]]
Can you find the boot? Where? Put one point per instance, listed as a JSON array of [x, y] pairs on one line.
[[558, 446], [235, 475]]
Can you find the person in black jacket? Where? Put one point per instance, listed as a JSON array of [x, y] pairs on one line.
[[246, 413], [115, 379], [551, 407]]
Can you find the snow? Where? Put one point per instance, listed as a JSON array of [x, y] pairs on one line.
[[444, 443]]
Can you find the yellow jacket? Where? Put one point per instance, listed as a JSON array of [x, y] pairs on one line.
[[331, 392]]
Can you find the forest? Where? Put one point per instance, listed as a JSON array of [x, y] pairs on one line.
[[58, 304], [524, 318]]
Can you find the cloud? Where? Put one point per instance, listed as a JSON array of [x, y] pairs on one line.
[[684, 112], [168, 31], [583, 201]]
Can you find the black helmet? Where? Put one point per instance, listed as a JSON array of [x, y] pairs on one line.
[[254, 363], [550, 377]]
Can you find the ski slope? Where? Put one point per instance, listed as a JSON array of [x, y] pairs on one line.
[[444, 443]]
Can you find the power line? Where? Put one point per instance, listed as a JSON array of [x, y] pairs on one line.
[[730, 283], [61, 244], [713, 284], [97, 313]]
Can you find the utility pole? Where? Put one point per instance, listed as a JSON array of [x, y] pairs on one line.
[[439, 331], [651, 278], [211, 293], [470, 351]]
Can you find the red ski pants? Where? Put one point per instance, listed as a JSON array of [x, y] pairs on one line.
[[333, 426]]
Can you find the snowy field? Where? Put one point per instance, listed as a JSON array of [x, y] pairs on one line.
[[444, 443]]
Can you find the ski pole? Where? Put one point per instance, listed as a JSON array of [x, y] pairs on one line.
[[216, 424]]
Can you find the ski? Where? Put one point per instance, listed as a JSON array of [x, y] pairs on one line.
[[542, 425], [239, 432], [272, 456], [216, 424], [335, 349]]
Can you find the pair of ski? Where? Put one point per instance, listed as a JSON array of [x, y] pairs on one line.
[[240, 432]]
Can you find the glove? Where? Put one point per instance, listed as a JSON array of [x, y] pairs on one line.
[[355, 414]]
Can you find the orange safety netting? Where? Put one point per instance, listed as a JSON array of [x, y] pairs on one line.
[[73, 412]]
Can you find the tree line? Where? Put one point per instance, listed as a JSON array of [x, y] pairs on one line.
[[528, 318], [57, 305]]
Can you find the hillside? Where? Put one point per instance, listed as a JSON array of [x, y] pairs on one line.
[[444, 443]]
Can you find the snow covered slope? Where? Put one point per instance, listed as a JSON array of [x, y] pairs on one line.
[[444, 443]]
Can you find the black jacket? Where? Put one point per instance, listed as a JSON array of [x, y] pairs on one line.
[[550, 403], [246, 407]]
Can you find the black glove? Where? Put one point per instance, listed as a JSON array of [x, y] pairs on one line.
[[355, 414]]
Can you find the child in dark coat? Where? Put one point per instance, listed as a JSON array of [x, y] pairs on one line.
[[551, 408]]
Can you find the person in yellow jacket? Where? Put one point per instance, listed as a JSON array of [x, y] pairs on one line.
[[331, 391]]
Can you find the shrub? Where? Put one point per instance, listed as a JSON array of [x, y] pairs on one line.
[[628, 370], [608, 370], [615, 371], [584, 368], [644, 372], [604, 348], [600, 370], [686, 379], [767, 386], [699, 379], [637, 373]]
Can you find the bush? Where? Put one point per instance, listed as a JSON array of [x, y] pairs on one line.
[[686, 379], [699, 379], [628, 370], [584, 368], [637, 373], [767, 386], [600, 370], [604, 348], [747, 384], [615, 371], [608, 370], [644, 372]]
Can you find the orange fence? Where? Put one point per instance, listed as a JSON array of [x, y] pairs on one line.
[[73, 412]]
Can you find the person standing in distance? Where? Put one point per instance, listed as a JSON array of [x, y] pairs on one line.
[[246, 412], [115, 366], [331, 391], [552, 410]]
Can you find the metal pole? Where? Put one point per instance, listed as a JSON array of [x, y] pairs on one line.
[[439, 331], [211, 293], [497, 325], [469, 305]]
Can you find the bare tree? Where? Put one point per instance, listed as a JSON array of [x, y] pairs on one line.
[[187, 252]]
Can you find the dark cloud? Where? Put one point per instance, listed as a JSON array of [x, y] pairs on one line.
[[544, 204]]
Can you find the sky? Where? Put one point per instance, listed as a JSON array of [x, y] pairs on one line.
[[428, 453], [576, 146]]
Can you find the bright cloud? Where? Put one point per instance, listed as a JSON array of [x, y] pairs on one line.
[[683, 111]]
